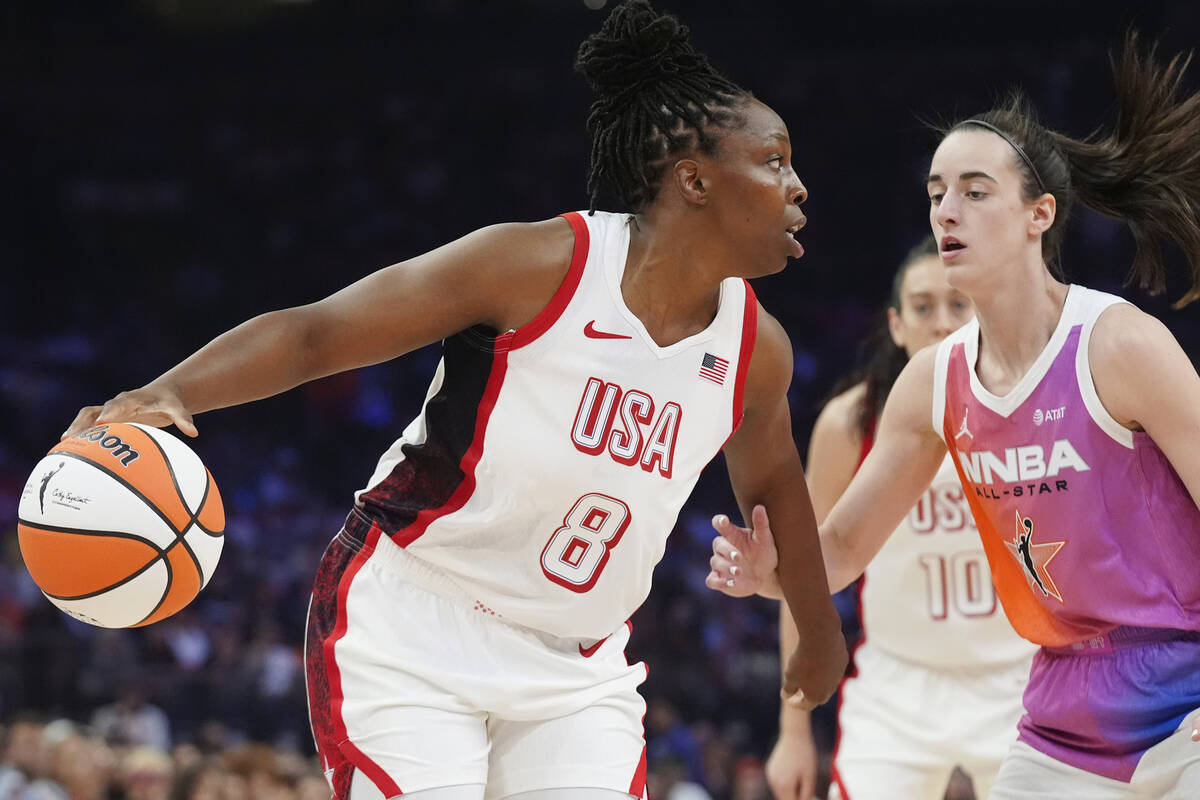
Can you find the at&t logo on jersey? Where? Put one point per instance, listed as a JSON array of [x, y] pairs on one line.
[[1040, 416], [620, 422], [1026, 463]]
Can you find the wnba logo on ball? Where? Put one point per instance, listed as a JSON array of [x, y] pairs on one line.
[[120, 450], [1038, 419]]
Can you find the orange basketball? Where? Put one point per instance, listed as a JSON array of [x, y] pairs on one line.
[[121, 525]]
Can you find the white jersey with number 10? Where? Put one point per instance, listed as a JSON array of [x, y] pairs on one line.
[[927, 597]]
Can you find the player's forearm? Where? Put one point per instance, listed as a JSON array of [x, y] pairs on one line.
[[861, 521], [813, 612], [801, 570], [793, 722], [843, 564], [262, 357]]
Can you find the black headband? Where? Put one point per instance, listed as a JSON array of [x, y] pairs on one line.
[[1012, 142]]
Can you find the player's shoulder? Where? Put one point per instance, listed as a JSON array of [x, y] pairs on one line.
[[913, 395], [845, 408], [841, 416], [771, 364], [520, 265], [1124, 332], [534, 246], [922, 364], [1131, 353]]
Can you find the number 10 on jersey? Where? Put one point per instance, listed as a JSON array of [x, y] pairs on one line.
[[962, 580], [577, 552]]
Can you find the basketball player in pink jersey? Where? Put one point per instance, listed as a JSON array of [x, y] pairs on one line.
[[1073, 420], [935, 644], [467, 628]]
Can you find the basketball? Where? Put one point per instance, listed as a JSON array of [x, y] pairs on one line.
[[121, 525]]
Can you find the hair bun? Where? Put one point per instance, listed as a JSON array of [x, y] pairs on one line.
[[636, 45]]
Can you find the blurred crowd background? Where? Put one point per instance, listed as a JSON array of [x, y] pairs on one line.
[[173, 167]]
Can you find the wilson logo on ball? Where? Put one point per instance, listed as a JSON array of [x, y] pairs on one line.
[[121, 546], [110, 441]]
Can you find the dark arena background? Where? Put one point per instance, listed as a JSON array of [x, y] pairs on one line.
[[174, 167]]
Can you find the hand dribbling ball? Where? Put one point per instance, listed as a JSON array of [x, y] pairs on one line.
[[121, 525]]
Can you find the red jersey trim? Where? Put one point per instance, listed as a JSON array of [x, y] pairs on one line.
[[558, 303], [835, 773], [470, 460], [637, 787], [749, 334], [352, 754]]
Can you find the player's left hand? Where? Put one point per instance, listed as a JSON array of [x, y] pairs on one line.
[[744, 559]]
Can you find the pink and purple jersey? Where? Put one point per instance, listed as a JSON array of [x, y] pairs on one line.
[[1092, 539]]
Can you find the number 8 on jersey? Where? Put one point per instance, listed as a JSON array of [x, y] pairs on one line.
[[578, 551]]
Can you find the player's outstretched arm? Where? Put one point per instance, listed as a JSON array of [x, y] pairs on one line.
[[500, 276], [765, 470], [744, 560], [901, 465]]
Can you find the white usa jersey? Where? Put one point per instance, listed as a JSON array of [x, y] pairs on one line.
[[927, 597], [549, 464]]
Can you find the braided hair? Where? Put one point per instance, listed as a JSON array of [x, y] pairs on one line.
[[655, 97]]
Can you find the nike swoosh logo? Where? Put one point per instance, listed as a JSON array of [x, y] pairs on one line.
[[590, 331], [588, 652]]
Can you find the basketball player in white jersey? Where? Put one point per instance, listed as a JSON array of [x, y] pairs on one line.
[[937, 677], [467, 630], [1073, 420]]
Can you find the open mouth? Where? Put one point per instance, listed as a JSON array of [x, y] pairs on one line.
[[796, 247], [950, 244]]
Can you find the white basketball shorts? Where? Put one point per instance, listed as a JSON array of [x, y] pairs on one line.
[[1170, 770], [415, 686], [903, 728]]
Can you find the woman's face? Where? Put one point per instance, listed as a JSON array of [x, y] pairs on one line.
[[978, 215], [753, 193], [930, 308]]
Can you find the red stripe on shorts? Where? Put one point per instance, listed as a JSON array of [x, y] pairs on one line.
[[336, 697], [637, 787]]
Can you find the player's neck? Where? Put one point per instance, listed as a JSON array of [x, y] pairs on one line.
[[1014, 327], [665, 284]]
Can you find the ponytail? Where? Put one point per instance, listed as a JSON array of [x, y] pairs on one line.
[[1145, 171]]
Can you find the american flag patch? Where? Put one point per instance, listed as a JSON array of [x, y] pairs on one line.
[[713, 368]]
